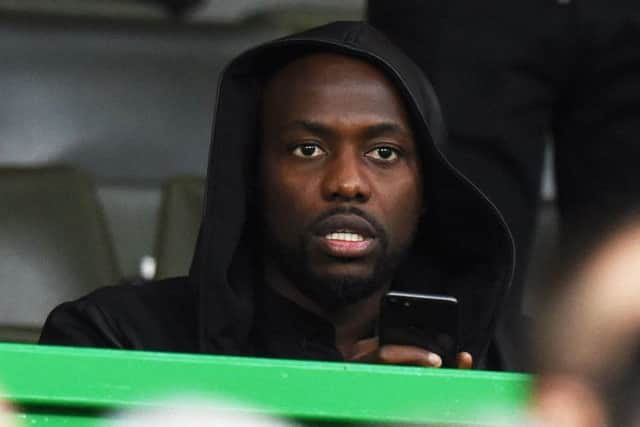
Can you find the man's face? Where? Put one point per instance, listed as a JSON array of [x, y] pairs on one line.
[[340, 177]]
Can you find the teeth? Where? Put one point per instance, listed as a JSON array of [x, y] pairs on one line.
[[345, 236]]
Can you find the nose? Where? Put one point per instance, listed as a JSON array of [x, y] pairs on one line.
[[345, 178]]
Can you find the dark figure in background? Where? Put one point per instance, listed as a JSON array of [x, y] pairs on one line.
[[511, 73], [326, 188]]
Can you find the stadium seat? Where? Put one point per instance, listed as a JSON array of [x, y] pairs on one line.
[[180, 214], [54, 245], [131, 211]]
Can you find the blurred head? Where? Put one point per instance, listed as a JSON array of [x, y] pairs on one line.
[[596, 312], [590, 329], [340, 176]]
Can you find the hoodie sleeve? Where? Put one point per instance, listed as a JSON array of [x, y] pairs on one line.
[[80, 323]]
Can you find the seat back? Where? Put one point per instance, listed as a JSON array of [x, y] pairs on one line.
[[131, 211], [54, 245], [178, 225]]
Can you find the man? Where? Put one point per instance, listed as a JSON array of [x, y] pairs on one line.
[[327, 187]]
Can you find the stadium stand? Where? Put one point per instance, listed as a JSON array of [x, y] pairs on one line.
[[129, 102], [54, 245]]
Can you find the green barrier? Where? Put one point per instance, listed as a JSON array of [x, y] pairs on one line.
[[66, 386]]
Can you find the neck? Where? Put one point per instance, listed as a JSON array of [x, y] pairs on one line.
[[355, 321], [352, 322]]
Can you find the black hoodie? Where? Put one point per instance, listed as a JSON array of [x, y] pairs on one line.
[[463, 247]]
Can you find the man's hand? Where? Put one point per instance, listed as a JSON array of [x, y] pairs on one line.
[[369, 351]]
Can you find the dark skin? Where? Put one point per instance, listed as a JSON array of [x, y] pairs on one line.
[[336, 135]]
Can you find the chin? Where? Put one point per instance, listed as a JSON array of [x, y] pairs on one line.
[[336, 290], [346, 276], [358, 269]]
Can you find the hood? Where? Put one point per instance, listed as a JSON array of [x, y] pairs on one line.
[[463, 247]]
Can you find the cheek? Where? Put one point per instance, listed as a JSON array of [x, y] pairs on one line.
[[403, 206], [287, 199]]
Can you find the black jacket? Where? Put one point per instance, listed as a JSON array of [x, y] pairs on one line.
[[463, 246]]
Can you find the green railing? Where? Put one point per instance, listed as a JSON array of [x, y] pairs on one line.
[[76, 387]]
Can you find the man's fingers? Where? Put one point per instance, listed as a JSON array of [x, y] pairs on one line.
[[465, 360], [409, 355], [365, 351]]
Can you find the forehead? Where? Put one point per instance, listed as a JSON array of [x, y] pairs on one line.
[[326, 84]]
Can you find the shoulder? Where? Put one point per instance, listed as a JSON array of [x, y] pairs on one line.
[[158, 315], [127, 301]]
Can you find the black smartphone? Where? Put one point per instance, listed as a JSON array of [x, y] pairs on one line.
[[427, 321]]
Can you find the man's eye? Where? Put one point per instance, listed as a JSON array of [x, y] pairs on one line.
[[387, 154], [308, 150]]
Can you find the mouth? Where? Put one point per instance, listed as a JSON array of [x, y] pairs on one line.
[[346, 244], [345, 236]]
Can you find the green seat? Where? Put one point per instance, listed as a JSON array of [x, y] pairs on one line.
[[54, 245], [178, 225]]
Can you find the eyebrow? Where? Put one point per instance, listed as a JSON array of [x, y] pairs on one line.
[[369, 132], [381, 129], [311, 126]]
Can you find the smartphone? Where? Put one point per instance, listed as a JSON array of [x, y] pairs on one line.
[[427, 321]]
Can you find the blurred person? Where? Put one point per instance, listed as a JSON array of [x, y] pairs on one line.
[[327, 186], [589, 334], [510, 74]]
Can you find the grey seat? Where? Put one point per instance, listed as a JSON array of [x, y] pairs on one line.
[[54, 245], [131, 210], [178, 225]]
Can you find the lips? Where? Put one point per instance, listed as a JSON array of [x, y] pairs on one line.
[[345, 236]]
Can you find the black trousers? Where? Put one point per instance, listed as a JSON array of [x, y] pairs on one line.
[[510, 73]]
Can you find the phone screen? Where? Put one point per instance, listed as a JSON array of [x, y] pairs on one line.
[[421, 320]]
